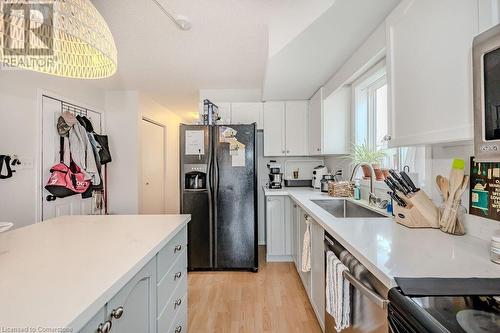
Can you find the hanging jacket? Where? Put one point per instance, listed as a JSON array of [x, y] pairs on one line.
[[82, 153]]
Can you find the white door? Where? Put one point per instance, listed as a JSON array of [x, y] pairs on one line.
[[74, 205], [153, 168], [274, 129], [315, 126], [296, 128]]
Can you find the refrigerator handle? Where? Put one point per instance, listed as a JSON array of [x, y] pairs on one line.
[[216, 188], [210, 194]]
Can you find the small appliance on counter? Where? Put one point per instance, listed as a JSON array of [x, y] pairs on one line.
[[325, 180], [318, 174], [275, 175]]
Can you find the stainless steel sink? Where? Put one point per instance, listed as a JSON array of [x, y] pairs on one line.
[[343, 209]]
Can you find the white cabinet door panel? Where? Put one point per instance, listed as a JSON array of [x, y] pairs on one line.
[[315, 123], [275, 220], [429, 71], [138, 300], [274, 129], [318, 271], [296, 128]]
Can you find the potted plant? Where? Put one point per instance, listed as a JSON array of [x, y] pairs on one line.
[[362, 154]]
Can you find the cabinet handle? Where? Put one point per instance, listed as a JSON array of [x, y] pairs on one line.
[[177, 303], [178, 329], [306, 216], [117, 313], [177, 248], [294, 206], [288, 152], [177, 275], [105, 328], [319, 149]]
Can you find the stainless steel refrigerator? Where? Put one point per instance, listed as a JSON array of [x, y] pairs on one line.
[[219, 189]]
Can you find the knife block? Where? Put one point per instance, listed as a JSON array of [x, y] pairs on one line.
[[420, 212]]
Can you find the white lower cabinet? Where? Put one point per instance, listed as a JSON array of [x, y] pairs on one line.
[[318, 271], [304, 276], [313, 281], [154, 300], [279, 229], [133, 309]]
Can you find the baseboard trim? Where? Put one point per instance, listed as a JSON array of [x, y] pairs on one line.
[[271, 258]]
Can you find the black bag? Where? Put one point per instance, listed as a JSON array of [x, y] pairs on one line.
[[102, 140], [104, 154]]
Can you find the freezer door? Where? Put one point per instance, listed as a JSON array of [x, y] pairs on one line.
[[235, 200], [198, 203]]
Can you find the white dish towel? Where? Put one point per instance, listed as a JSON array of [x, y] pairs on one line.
[[338, 298], [306, 248]]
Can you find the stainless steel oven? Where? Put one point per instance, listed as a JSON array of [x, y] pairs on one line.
[[368, 295], [486, 68]]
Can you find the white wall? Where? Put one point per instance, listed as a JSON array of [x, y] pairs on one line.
[[20, 134], [367, 55], [158, 113], [124, 111], [231, 95], [122, 126]]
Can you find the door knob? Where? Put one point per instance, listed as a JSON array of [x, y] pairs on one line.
[[177, 303], [177, 275], [51, 198], [178, 329], [177, 248], [105, 328], [147, 183], [117, 313]]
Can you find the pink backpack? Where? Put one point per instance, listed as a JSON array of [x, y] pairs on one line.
[[66, 181]]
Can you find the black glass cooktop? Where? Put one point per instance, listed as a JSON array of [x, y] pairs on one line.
[[463, 314]]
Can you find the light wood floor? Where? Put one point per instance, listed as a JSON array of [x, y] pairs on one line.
[[272, 300]]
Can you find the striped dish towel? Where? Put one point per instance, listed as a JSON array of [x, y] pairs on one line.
[[338, 300], [306, 248]]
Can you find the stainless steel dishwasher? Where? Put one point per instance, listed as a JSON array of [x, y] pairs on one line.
[[368, 295]]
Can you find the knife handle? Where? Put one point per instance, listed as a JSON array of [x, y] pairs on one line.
[[408, 180]]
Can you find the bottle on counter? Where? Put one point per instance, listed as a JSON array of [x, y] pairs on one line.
[[357, 191]]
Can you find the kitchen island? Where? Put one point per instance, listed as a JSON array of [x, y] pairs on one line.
[[81, 273]]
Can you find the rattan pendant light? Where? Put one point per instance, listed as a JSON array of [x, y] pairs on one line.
[[67, 38]]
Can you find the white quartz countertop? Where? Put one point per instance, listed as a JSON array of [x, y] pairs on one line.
[[391, 250], [59, 273]]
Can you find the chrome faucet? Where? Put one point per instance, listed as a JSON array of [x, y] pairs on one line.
[[372, 198]]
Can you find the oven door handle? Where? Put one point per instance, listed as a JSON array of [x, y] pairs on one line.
[[364, 290]]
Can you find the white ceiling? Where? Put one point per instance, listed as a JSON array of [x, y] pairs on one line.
[[227, 47], [306, 63]]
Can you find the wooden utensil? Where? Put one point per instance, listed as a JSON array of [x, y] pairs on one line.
[[456, 180], [453, 226], [443, 185]]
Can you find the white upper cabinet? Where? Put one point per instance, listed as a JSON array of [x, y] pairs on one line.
[[329, 122], [296, 128], [247, 113], [285, 128], [315, 123], [430, 71], [274, 129]]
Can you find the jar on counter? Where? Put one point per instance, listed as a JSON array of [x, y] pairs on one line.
[[495, 247]]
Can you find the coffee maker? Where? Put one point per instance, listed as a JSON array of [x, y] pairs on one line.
[[275, 175]]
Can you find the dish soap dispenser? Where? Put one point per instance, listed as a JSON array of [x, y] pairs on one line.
[[357, 191]]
